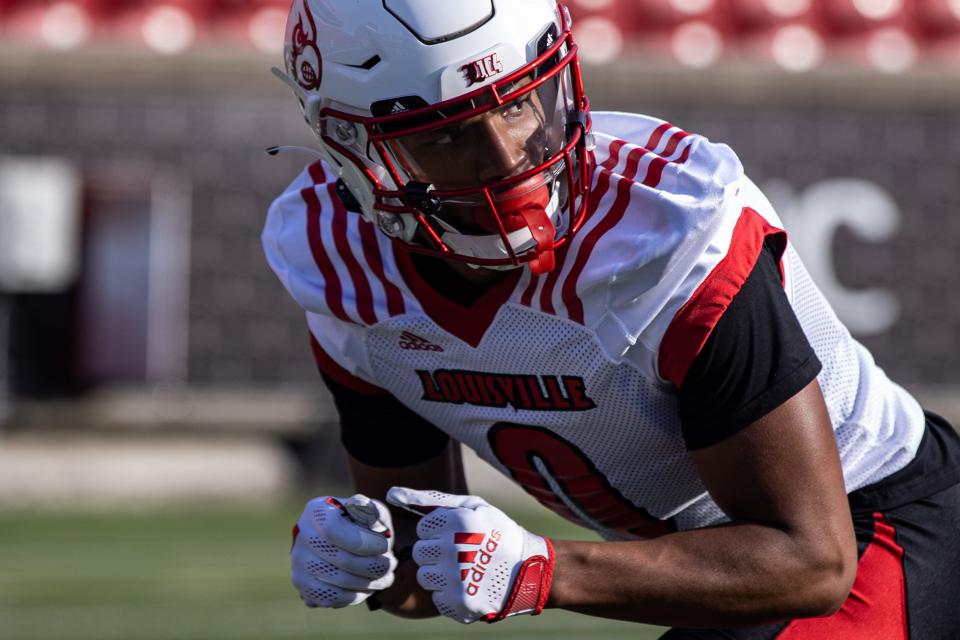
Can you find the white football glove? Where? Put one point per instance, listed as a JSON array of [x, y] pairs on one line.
[[342, 551], [479, 564]]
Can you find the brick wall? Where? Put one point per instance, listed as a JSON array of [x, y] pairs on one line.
[[244, 329]]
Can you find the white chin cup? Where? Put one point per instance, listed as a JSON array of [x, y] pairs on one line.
[[491, 246]]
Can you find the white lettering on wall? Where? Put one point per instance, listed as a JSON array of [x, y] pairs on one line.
[[39, 224], [812, 218]]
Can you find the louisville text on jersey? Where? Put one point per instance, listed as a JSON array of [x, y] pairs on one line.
[[527, 392]]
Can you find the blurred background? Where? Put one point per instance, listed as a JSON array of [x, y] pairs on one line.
[[160, 415]]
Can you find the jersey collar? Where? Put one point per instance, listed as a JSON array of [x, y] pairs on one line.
[[468, 323]]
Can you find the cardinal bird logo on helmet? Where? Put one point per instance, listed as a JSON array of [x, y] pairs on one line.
[[304, 62]]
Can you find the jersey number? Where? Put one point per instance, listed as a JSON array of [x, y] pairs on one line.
[[518, 447]]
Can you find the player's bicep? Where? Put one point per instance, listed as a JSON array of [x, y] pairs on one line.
[[757, 425], [783, 473], [782, 470], [442, 472], [756, 358], [388, 444], [378, 430]]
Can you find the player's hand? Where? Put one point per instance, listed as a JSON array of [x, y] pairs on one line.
[[479, 564], [342, 551]]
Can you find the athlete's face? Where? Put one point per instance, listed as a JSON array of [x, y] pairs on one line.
[[492, 146], [495, 145]]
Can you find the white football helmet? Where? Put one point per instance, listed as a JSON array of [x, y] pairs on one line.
[[460, 127]]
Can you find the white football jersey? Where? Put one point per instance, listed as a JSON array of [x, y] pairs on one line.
[[567, 381]]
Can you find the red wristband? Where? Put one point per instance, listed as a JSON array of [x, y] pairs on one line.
[[531, 588]]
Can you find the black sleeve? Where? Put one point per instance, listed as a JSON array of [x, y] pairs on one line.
[[756, 358], [380, 431]]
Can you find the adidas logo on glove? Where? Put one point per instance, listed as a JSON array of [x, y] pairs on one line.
[[480, 559], [455, 558]]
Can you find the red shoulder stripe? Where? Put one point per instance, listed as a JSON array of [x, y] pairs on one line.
[[570, 299], [546, 293], [655, 171], [371, 250], [527, 298], [691, 327], [332, 289], [329, 366], [363, 294], [657, 164], [675, 140], [653, 176], [657, 135], [594, 197]]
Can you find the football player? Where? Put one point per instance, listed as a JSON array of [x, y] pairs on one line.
[[607, 310]]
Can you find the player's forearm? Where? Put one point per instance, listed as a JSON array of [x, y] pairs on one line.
[[737, 575], [406, 598]]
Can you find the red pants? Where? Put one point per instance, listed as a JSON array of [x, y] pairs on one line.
[[907, 585]]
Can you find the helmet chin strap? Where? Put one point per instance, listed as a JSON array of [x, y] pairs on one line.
[[539, 232], [544, 233]]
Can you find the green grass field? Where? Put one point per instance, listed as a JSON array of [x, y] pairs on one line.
[[194, 573]]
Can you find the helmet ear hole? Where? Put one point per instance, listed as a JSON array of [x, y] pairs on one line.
[[422, 198], [349, 201], [356, 183]]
